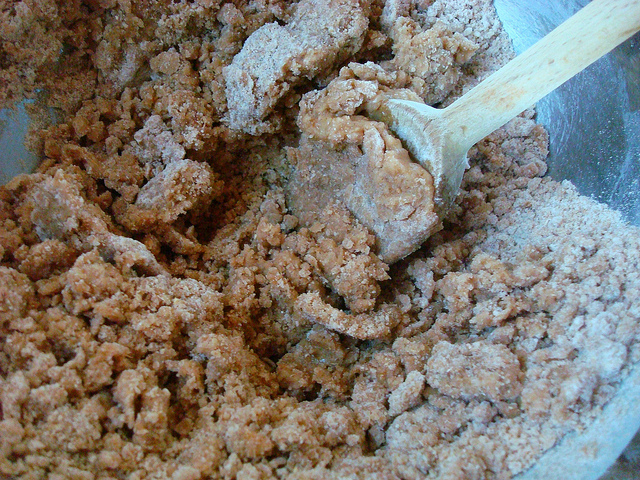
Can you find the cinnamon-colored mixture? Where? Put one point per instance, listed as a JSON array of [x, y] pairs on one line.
[[186, 293]]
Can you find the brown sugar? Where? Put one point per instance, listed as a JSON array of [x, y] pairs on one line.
[[192, 284]]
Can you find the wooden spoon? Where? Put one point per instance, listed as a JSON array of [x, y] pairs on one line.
[[440, 138]]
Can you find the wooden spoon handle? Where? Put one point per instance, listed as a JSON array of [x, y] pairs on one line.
[[575, 44]]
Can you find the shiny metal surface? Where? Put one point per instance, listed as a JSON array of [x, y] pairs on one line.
[[593, 119], [14, 157]]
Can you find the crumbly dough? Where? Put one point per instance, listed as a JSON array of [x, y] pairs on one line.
[[209, 274]]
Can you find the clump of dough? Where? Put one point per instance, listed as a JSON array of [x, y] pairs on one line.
[[275, 58], [475, 370], [346, 156]]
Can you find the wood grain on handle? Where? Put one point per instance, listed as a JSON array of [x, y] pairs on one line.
[[575, 44]]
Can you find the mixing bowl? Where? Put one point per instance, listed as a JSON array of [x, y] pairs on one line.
[[594, 127], [594, 119]]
